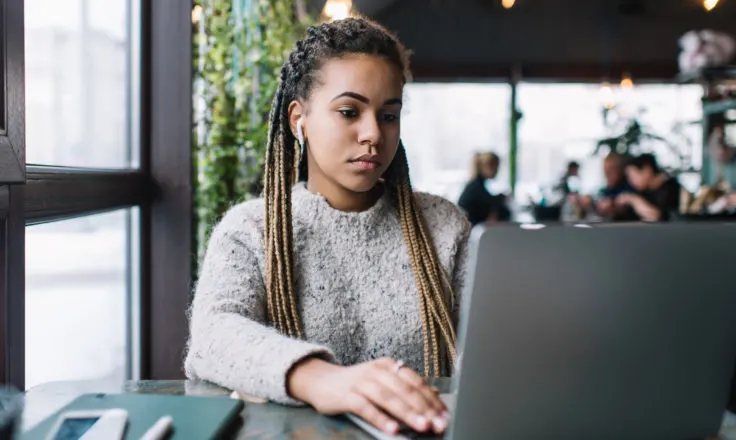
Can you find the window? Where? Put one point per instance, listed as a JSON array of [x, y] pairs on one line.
[[79, 72], [105, 130], [563, 122], [81, 76], [78, 299], [443, 125]]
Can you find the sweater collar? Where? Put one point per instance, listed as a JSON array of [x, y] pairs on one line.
[[314, 204]]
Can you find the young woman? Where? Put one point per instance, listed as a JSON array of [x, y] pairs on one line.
[[340, 291]]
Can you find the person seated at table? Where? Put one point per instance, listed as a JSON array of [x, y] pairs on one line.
[[658, 194], [568, 188], [572, 174], [616, 184], [478, 203], [341, 291]]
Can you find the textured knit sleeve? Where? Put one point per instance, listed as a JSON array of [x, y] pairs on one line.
[[230, 344]]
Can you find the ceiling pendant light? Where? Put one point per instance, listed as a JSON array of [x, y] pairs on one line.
[[626, 81], [337, 9], [508, 4], [710, 4]]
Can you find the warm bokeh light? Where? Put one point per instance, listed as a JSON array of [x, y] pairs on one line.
[[710, 4], [626, 82], [338, 9], [607, 95], [196, 14]]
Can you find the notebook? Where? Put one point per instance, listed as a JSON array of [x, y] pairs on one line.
[[194, 417]]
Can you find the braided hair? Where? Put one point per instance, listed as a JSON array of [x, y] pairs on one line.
[[285, 164]]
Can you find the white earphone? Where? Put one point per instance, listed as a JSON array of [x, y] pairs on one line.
[[300, 133]]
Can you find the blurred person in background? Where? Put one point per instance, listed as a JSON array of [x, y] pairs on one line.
[[571, 179], [478, 203], [658, 194], [616, 184]]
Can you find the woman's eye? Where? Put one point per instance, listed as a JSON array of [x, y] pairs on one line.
[[388, 117], [348, 113]]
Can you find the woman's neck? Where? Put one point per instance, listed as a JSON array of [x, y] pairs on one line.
[[343, 199]]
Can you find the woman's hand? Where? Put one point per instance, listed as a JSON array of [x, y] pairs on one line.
[[625, 199], [605, 207], [645, 210], [375, 391]]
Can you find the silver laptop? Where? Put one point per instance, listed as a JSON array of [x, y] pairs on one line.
[[611, 332]]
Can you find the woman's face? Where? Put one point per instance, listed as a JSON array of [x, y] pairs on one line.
[[612, 171], [351, 122], [488, 167]]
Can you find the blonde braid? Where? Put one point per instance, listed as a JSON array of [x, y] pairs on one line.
[[287, 246], [439, 281], [278, 231], [272, 306], [412, 247], [281, 254], [430, 278]]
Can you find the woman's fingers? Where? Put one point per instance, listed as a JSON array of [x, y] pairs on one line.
[[363, 408], [394, 405], [430, 393], [414, 381], [384, 398], [422, 399], [383, 395]]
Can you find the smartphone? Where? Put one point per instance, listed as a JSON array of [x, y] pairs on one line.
[[90, 425]]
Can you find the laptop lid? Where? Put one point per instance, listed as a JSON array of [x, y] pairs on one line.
[[606, 332]]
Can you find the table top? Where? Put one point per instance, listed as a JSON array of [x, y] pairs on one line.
[[262, 420]]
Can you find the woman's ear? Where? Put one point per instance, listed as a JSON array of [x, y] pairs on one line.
[[296, 112]]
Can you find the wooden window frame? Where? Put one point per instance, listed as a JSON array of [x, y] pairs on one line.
[[161, 188], [11, 98]]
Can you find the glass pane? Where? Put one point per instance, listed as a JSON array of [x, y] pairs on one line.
[[564, 122], [444, 125], [79, 72], [78, 299]]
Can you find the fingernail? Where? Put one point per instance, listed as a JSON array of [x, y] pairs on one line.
[[421, 421], [445, 415], [391, 427], [439, 424]]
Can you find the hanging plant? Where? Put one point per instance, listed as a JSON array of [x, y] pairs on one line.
[[239, 48]]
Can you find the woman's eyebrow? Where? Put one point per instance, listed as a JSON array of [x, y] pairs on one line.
[[361, 98]]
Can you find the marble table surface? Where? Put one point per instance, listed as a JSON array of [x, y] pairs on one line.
[[262, 420]]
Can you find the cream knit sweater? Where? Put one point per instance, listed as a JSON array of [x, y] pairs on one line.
[[355, 287]]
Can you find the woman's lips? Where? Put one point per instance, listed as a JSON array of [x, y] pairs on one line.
[[365, 165]]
